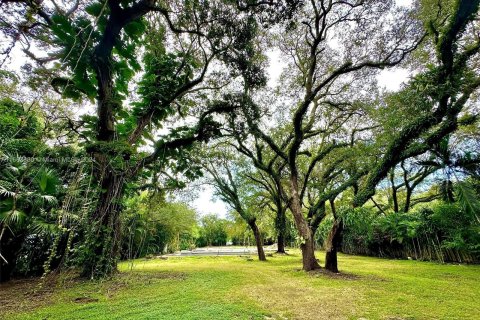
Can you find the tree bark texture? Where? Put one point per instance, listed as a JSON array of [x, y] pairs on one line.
[[258, 240]]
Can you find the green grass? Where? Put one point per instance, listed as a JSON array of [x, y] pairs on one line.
[[234, 288]]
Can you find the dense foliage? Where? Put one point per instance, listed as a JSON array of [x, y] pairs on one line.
[[438, 232]]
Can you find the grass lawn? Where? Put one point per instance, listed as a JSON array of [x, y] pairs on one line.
[[235, 288]]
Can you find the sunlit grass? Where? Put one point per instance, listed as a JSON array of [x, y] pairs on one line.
[[234, 288]]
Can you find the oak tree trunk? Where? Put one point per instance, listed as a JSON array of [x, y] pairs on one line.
[[281, 242], [308, 254], [332, 245], [394, 192], [258, 240], [308, 243], [408, 199], [395, 200]]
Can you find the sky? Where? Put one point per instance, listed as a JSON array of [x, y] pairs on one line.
[[206, 204]]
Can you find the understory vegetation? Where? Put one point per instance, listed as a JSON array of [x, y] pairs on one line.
[[438, 232]]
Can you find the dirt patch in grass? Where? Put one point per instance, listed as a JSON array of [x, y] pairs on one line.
[[84, 300], [125, 279], [23, 294], [293, 300], [343, 275], [450, 275], [332, 275], [157, 275]]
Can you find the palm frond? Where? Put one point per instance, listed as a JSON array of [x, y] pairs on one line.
[[40, 225], [12, 217], [6, 193], [468, 199], [49, 199], [48, 181]]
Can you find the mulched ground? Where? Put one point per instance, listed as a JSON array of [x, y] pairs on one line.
[[24, 294]]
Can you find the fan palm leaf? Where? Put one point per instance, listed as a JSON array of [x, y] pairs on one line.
[[12, 217]]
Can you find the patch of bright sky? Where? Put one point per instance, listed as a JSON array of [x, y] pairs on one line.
[[206, 203]]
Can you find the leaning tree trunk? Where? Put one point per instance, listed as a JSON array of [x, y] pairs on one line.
[[258, 240], [104, 233], [395, 200], [394, 192], [332, 245]]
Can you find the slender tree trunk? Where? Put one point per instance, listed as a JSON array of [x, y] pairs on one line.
[[258, 240], [334, 241], [332, 245], [103, 237], [395, 200], [308, 243], [408, 199], [281, 226], [394, 191]]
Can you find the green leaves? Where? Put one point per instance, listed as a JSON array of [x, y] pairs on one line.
[[154, 225], [164, 75], [16, 123], [6, 193], [135, 29], [76, 39], [79, 37], [48, 182], [63, 30], [95, 8]]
